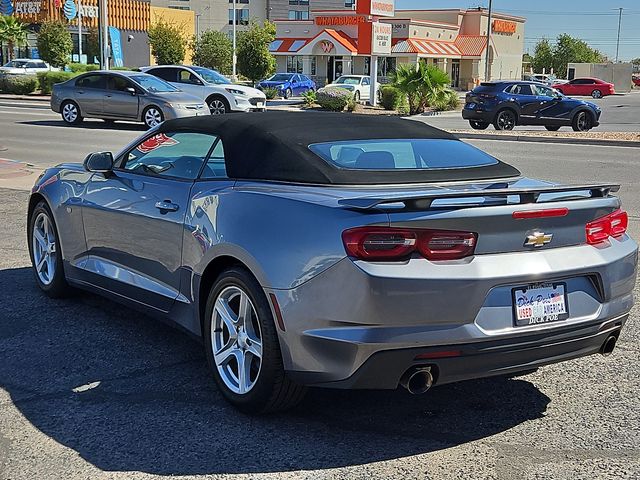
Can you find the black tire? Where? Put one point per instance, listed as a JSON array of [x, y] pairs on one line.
[[506, 119], [287, 93], [582, 121], [58, 286], [70, 112], [552, 128], [218, 105], [356, 96], [477, 125], [147, 114], [272, 391], [596, 93]]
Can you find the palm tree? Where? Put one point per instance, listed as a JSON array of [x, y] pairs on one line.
[[424, 85], [13, 32]]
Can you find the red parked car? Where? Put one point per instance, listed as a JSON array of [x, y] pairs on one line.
[[586, 86], [636, 81]]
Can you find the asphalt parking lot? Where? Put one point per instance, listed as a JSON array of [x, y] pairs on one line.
[[90, 389]]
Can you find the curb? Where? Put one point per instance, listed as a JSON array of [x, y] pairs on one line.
[[26, 98], [530, 138]]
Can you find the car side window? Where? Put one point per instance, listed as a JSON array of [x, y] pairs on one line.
[[175, 155], [167, 74], [365, 81], [215, 167], [543, 91], [520, 89], [185, 76], [118, 83], [32, 65], [92, 81]]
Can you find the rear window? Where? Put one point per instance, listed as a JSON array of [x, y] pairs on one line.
[[410, 154], [485, 87]]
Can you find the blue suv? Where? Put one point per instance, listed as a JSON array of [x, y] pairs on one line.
[[510, 103]]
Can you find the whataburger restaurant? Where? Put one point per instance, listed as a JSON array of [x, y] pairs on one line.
[[333, 43]]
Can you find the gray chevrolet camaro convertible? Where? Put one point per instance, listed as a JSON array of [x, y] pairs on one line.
[[338, 251]]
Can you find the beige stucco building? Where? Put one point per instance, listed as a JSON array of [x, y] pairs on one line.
[[326, 45]]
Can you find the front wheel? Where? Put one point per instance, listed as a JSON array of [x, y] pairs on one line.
[[242, 346], [45, 252], [505, 120], [218, 106], [356, 96], [476, 125], [552, 128], [70, 113], [582, 122], [596, 94], [287, 93], [152, 117]]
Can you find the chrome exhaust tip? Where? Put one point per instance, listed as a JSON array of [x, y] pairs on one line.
[[608, 345], [417, 380]]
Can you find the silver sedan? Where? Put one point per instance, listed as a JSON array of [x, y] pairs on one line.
[[122, 95]]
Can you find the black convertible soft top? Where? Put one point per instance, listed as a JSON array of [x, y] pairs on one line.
[[275, 146]]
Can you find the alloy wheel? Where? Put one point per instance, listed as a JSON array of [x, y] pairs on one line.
[[70, 112], [236, 340], [596, 94], [583, 122], [44, 248], [217, 107], [506, 120], [152, 117]]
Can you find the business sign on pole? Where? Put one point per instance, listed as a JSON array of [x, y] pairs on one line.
[[376, 8], [381, 38], [116, 47]]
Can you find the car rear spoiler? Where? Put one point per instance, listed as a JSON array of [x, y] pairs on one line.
[[525, 195]]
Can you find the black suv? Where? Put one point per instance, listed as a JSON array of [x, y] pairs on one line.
[[506, 104]]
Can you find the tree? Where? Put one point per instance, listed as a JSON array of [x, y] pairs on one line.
[[91, 46], [13, 32], [54, 43], [168, 42], [213, 50], [572, 50], [255, 61], [423, 85], [542, 57]]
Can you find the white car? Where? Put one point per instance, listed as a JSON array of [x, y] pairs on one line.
[[25, 66], [218, 92], [360, 85]]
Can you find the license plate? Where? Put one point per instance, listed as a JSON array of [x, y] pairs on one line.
[[471, 105], [260, 104], [540, 303]]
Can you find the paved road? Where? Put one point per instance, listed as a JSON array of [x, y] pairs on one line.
[[620, 113], [89, 389]]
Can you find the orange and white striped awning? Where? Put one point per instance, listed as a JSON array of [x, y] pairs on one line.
[[434, 48]]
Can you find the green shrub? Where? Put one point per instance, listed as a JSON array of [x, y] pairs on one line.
[[352, 104], [47, 79], [393, 99], [18, 84], [309, 97], [270, 93], [333, 98], [82, 67], [447, 100]]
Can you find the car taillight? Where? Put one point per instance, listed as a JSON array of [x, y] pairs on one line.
[[612, 225], [388, 243]]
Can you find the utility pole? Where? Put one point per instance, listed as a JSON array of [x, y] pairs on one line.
[[619, 24], [104, 35], [79, 31], [235, 58], [486, 57]]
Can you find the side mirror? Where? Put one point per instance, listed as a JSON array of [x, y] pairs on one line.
[[101, 162], [131, 90]]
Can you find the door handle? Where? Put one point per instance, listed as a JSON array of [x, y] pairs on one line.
[[108, 96], [166, 206]]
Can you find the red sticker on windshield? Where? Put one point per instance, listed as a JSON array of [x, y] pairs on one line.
[[157, 141]]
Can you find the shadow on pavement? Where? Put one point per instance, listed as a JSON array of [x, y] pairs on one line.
[[89, 124], [146, 401]]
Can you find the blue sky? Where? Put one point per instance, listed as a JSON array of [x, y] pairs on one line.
[[595, 21]]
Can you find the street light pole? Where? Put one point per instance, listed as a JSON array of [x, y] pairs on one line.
[[104, 35], [619, 24], [79, 31], [486, 57], [235, 58]]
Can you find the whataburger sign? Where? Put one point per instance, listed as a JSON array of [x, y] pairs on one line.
[[377, 8], [374, 38]]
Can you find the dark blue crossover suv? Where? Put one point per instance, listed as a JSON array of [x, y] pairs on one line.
[[506, 104]]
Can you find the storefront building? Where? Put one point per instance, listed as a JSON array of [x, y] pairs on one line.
[[128, 25], [327, 44]]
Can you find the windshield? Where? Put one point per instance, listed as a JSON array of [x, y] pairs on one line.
[[153, 84], [16, 64], [349, 80], [280, 77], [211, 76], [410, 154]]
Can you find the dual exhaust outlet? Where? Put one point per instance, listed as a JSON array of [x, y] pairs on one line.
[[418, 379]]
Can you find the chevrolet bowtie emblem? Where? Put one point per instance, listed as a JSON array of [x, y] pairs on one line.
[[538, 239]]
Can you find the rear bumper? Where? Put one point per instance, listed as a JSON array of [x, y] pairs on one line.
[[479, 115], [384, 369]]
